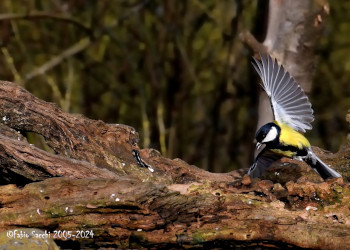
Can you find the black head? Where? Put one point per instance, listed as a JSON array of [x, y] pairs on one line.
[[268, 133]]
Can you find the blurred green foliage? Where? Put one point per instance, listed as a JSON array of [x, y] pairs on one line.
[[174, 70]]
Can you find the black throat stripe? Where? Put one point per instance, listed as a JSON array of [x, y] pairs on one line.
[[290, 148]]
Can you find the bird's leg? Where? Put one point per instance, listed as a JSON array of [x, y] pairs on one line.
[[310, 156]]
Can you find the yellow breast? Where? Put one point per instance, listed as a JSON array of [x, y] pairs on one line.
[[288, 153], [291, 137]]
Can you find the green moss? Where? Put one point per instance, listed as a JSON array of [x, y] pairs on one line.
[[9, 217], [338, 189], [144, 174], [245, 198], [56, 211], [200, 237], [206, 235], [346, 192], [201, 188]]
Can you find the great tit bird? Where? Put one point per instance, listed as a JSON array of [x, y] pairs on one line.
[[292, 115]]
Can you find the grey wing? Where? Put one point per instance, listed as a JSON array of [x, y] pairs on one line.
[[262, 162], [289, 103]]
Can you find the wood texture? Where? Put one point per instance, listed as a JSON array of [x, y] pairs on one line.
[[92, 183]]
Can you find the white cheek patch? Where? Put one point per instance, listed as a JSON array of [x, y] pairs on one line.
[[271, 135]]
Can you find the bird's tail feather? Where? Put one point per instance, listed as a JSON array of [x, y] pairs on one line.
[[322, 168]]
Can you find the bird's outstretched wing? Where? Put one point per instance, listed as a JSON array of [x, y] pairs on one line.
[[289, 103]]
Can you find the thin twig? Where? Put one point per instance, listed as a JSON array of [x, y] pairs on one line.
[[11, 65], [248, 39], [44, 15], [76, 48]]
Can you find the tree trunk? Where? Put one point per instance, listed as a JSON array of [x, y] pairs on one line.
[[293, 32]]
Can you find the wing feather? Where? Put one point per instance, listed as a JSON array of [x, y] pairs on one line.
[[262, 162], [289, 103]]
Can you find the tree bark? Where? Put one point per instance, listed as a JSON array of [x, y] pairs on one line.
[[293, 32], [92, 183], [126, 213]]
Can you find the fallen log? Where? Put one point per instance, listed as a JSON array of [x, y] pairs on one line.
[[89, 191]]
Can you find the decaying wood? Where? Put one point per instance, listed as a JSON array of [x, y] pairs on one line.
[[93, 183], [132, 214], [86, 144]]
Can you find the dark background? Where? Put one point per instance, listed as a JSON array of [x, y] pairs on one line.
[[174, 70]]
